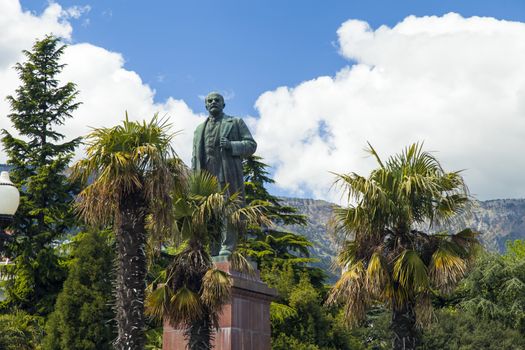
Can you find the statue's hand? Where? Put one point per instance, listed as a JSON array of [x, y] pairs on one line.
[[225, 143]]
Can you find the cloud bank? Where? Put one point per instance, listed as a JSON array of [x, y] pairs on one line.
[[107, 88], [458, 84]]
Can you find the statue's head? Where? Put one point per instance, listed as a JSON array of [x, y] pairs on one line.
[[214, 103]]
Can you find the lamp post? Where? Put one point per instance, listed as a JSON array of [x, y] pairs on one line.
[[9, 200]]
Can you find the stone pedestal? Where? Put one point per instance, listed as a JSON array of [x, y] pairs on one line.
[[244, 323]]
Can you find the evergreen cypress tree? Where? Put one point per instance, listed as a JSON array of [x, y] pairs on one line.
[[255, 178], [269, 245], [81, 320], [38, 163]]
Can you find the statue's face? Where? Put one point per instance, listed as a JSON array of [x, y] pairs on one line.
[[214, 103]]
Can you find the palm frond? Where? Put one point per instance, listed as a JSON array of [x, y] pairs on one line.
[[374, 153], [130, 158], [203, 184], [378, 282], [248, 215], [467, 240], [216, 289], [346, 255], [446, 269], [410, 272], [184, 307], [350, 290], [240, 263], [157, 302]]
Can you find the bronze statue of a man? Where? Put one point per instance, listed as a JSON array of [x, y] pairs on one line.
[[219, 144]]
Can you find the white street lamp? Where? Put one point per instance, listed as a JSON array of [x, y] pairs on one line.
[[9, 200]]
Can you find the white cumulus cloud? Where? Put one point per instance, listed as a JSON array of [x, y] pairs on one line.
[[458, 84], [107, 88], [19, 29], [76, 11]]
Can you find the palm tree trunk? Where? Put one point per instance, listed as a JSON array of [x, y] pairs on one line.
[[131, 274], [404, 327], [199, 334]]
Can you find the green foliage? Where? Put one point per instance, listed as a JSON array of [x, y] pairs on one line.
[[38, 163], [487, 311], [495, 289], [463, 331], [279, 313], [154, 339], [515, 250], [312, 323], [285, 342], [270, 246], [21, 331], [375, 333], [281, 276], [83, 312], [299, 320]]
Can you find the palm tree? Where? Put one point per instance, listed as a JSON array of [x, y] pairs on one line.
[[386, 257], [131, 179], [192, 291]]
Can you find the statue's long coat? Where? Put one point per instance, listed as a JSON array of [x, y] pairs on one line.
[[243, 145]]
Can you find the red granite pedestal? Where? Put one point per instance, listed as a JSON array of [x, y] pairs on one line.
[[244, 323]]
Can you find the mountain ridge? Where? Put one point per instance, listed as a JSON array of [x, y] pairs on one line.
[[497, 221]]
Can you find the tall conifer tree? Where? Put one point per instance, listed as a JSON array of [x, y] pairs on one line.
[[256, 177], [268, 244], [83, 311], [39, 161]]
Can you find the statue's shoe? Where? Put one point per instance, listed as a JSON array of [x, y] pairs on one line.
[[225, 251]]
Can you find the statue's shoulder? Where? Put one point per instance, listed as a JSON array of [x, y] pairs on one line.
[[230, 118], [200, 127]]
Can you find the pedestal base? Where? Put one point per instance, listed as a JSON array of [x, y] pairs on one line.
[[244, 323]]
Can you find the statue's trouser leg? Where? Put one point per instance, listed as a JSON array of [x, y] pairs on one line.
[[229, 239], [215, 247]]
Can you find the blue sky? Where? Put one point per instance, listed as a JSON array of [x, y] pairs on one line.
[[314, 80], [243, 48]]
